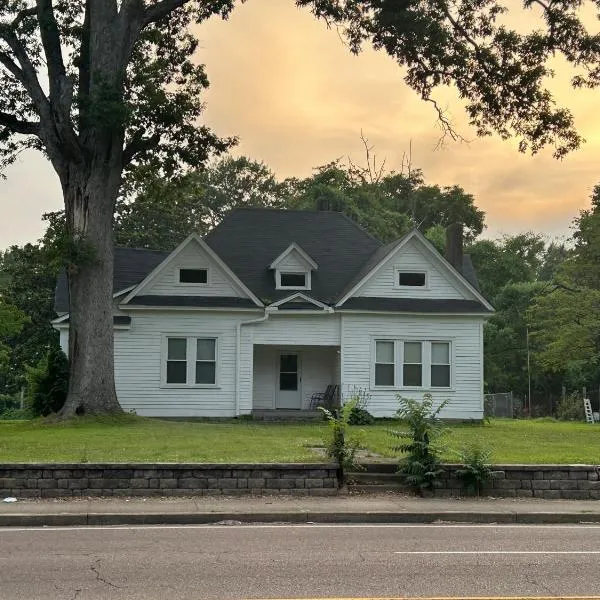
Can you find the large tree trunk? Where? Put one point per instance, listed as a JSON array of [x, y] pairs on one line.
[[90, 194]]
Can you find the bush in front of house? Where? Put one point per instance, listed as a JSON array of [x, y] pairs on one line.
[[475, 470], [48, 383], [420, 467], [359, 415], [570, 408]]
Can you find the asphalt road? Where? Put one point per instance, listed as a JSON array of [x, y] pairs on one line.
[[302, 561]]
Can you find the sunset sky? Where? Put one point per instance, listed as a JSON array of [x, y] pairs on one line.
[[297, 99]]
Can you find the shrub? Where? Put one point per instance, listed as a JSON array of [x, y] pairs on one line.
[[421, 468], [47, 383], [359, 415], [475, 470], [342, 446], [570, 408]]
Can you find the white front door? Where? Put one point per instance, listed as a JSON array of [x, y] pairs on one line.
[[289, 387]]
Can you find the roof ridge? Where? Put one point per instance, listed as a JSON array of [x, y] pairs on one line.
[[143, 249]]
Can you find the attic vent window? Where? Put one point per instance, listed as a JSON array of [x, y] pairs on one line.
[[409, 279], [293, 280], [193, 276]]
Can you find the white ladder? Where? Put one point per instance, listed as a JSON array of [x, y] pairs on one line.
[[587, 407]]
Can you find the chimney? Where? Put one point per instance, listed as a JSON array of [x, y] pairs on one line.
[[454, 245]]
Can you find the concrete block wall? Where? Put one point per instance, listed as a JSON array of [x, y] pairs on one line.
[[77, 480], [560, 482]]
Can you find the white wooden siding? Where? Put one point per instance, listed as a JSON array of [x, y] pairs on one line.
[[293, 262], [63, 340], [412, 257], [465, 397], [138, 365], [192, 257], [317, 371], [305, 330]]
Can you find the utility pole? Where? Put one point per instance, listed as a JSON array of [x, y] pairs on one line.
[[528, 371]]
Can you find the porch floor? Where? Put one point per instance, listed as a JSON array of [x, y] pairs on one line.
[[285, 414]]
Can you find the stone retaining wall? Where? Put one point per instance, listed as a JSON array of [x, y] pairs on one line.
[[75, 480], [567, 482]]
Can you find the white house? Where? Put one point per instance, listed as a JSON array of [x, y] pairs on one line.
[[273, 306]]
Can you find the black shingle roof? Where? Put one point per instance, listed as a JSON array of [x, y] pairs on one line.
[[248, 240], [412, 305], [193, 301], [131, 266]]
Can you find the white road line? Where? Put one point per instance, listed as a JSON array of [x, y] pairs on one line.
[[307, 525], [428, 552]]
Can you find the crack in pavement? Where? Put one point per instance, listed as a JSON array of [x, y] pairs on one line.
[[94, 569]]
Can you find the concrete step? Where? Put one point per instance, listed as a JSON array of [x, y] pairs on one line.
[[366, 478], [390, 466], [375, 489]]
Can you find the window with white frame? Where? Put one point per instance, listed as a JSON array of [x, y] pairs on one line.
[[292, 280], [420, 364], [440, 364], [411, 278], [412, 364], [384, 363], [190, 361], [193, 276]]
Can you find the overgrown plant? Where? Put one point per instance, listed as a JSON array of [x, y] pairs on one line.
[[359, 414], [341, 445], [47, 383], [476, 469], [421, 467]]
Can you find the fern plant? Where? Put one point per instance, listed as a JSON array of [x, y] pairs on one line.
[[421, 468], [341, 445], [475, 470]]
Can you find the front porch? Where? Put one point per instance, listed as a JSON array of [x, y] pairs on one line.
[[286, 379]]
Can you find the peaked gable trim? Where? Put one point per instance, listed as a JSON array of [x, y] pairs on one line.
[[434, 255], [293, 247], [302, 298], [194, 237]]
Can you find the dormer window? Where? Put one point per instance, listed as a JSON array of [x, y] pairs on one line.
[[193, 276], [293, 269], [292, 280]]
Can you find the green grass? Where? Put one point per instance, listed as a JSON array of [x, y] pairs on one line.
[[135, 439]]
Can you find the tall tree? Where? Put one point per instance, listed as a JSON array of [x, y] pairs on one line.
[[101, 84]]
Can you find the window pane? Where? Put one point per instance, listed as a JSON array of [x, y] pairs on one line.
[[411, 279], [384, 374], [193, 275], [205, 349], [440, 353], [288, 363], [293, 279], [384, 352], [177, 349], [412, 376], [440, 375], [205, 372], [288, 381], [412, 352], [176, 372]]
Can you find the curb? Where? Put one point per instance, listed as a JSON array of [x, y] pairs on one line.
[[97, 519]]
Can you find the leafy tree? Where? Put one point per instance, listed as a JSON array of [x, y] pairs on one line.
[[11, 323], [30, 281], [162, 212], [105, 84], [47, 383]]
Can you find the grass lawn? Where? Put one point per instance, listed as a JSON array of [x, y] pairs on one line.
[[135, 439]]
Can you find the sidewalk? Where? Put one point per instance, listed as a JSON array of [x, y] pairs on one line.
[[389, 508]]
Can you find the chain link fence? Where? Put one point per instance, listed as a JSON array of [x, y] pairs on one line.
[[500, 405]]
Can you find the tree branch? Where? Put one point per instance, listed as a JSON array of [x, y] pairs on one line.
[[11, 66], [17, 126], [23, 14], [138, 143], [160, 10]]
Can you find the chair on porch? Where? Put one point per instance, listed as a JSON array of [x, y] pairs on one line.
[[328, 399]]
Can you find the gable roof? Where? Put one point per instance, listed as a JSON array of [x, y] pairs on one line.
[[293, 247], [249, 240], [190, 239]]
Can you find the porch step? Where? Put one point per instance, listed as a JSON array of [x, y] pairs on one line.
[[374, 479], [287, 415]]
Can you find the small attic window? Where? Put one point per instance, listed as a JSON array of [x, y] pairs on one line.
[[197, 276], [293, 280], [411, 279]]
